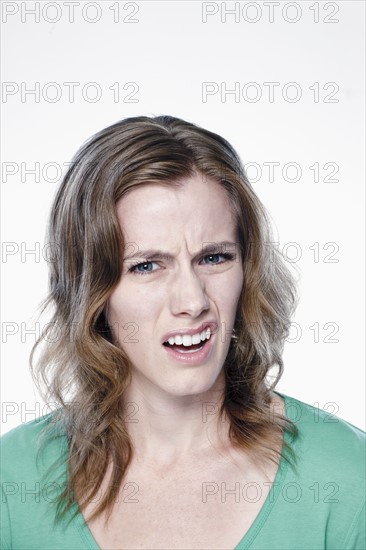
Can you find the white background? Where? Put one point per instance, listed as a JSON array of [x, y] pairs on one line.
[[169, 52]]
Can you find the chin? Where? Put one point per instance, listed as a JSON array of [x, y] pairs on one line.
[[195, 384]]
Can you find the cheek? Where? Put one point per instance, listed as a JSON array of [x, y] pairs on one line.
[[225, 291], [132, 308]]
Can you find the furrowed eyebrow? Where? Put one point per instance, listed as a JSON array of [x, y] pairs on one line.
[[207, 248]]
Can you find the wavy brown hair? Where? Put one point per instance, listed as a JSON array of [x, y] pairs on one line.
[[83, 370]]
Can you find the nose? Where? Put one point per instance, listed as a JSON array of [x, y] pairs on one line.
[[188, 294]]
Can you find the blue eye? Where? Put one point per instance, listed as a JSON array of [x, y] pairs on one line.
[[134, 268], [213, 256], [141, 268]]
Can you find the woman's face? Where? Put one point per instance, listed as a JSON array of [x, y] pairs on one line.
[[182, 288]]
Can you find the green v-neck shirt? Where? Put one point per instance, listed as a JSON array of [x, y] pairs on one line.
[[320, 505]]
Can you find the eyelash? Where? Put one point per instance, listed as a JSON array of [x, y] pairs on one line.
[[226, 255]]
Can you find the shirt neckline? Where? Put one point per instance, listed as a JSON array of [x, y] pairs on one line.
[[256, 526]]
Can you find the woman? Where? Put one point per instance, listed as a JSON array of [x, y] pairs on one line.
[[171, 307]]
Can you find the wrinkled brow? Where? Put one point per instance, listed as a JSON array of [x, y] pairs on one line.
[[207, 248]]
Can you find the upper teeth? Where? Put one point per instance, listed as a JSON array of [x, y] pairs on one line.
[[188, 340]]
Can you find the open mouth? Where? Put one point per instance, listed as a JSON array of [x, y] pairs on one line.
[[186, 349]]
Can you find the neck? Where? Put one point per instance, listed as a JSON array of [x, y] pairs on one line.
[[167, 429]]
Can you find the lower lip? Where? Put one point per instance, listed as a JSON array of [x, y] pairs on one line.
[[195, 358]]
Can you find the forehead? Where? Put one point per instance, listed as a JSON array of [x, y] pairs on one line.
[[154, 214]]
